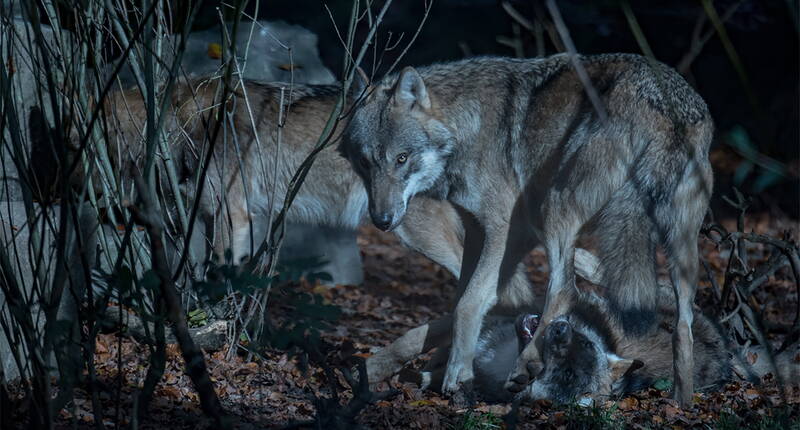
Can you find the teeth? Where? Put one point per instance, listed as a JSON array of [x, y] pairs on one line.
[[426, 380]]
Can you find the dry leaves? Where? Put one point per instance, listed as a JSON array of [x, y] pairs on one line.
[[403, 290]]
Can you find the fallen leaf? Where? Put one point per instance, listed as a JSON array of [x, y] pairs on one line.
[[628, 403], [215, 51], [671, 412]]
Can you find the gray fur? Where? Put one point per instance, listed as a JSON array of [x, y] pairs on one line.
[[519, 151], [239, 195], [249, 173], [584, 366], [498, 348]]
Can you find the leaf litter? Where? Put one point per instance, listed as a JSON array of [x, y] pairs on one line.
[[403, 290]]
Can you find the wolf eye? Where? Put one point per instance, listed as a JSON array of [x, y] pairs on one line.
[[402, 158]]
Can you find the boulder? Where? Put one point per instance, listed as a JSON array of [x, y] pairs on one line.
[[16, 244]]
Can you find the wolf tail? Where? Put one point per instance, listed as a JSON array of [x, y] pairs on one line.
[[627, 255]]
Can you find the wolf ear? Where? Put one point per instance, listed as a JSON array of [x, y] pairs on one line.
[[410, 89], [621, 367]]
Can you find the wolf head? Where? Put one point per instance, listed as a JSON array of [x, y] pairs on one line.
[[397, 144], [577, 364]]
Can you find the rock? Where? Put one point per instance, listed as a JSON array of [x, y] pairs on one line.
[[267, 51], [25, 71], [336, 247], [210, 337], [15, 241]]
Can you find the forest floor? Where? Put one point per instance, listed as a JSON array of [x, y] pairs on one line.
[[403, 290]]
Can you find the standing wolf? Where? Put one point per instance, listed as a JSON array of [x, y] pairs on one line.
[[520, 152], [251, 169]]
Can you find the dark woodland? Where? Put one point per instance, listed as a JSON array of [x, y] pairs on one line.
[[185, 241]]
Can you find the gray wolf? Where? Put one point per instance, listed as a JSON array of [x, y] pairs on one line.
[[251, 169], [587, 356], [523, 157]]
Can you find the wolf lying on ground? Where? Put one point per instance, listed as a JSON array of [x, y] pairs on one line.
[[524, 157], [586, 356]]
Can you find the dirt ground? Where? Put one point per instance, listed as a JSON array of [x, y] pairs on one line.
[[402, 290]]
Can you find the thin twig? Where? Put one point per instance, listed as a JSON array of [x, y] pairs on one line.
[[146, 214], [583, 75]]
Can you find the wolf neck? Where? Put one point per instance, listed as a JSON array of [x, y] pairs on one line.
[[594, 314], [486, 103]]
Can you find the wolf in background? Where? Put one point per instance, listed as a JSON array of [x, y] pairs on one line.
[[525, 159], [250, 173]]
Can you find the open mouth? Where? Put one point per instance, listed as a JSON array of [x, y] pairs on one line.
[[532, 323]]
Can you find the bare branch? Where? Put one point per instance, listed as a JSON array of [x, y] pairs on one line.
[[576, 61], [147, 215]]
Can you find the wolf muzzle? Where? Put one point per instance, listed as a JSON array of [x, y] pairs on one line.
[[383, 220]]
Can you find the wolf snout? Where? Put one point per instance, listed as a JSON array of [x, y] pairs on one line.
[[560, 332], [517, 383], [382, 220], [521, 379]]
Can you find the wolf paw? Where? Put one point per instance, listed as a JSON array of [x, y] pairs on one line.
[[684, 396], [455, 374]]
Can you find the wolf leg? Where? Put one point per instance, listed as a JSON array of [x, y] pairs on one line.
[[683, 272], [679, 220], [392, 358], [561, 258], [232, 232], [504, 243], [432, 374], [560, 244], [485, 245]]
